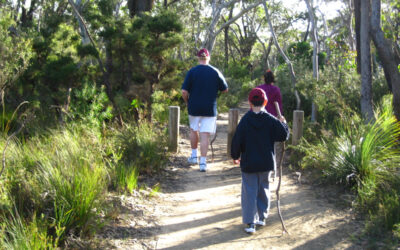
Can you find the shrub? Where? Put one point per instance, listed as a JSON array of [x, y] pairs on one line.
[[142, 145]]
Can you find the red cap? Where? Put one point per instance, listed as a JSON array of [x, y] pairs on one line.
[[258, 97], [203, 53]]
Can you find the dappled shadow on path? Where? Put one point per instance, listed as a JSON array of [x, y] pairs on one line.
[[214, 236]]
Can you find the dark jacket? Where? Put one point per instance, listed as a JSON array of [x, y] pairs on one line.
[[254, 140]]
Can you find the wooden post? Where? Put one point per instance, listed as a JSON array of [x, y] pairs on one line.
[[233, 122], [298, 118], [173, 128]]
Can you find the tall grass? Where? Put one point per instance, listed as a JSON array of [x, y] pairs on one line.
[[143, 146], [366, 159], [62, 176]]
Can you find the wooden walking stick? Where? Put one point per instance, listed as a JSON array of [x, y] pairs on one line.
[[284, 230], [211, 144]]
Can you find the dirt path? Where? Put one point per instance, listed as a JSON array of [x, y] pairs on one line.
[[202, 210]]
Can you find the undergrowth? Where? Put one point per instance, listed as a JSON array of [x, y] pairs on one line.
[[365, 158], [54, 184]]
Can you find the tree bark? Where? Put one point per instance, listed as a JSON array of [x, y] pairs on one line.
[[350, 25], [357, 18], [314, 38], [82, 31], [288, 62], [226, 40], [387, 56], [139, 6], [365, 49]]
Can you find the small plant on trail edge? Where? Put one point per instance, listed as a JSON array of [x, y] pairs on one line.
[[126, 177]]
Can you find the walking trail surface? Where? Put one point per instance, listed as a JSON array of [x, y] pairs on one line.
[[198, 210]]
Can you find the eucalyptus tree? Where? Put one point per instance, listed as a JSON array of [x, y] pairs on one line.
[[368, 25], [286, 58], [245, 32], [388, 51], [365, 60], [217, 8], [314, 37]]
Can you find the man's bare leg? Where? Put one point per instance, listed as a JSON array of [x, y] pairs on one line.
[[194, 139], [204, 141]]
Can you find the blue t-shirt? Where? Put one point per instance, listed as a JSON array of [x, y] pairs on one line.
[[203, 83]]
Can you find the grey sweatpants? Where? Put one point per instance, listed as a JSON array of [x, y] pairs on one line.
[[255, 196]]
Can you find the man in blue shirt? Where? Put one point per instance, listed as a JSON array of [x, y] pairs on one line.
[[199, 91]]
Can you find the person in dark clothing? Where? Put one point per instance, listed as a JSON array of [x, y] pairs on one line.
[[253, 143], [199, 91]]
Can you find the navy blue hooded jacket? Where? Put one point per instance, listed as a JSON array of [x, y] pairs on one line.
[[254, 140]]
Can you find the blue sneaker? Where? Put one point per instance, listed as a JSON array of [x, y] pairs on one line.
[[192, 160], [203, 167]]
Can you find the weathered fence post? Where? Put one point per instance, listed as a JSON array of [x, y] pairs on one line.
[[173, 128], [233, 122], [298, 118]]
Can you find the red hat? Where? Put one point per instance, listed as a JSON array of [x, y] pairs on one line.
[[203, 53], [258, 97]]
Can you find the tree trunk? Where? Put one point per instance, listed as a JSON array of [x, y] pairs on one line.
[[226, 40], [387, 56], [288, 62], [82, 32], [139, 6], [100, 62], [314, 37], [365, 48], [357, 18], [307, 31], [350, 25]]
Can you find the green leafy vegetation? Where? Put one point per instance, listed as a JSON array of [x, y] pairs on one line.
[[365, 158], [84, 103]]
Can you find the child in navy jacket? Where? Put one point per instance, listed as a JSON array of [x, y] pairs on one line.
[[253, 144]]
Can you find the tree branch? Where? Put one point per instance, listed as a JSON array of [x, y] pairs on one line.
[[241, 13]]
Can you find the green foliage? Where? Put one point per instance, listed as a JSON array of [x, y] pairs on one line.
[[142, 146], [90, 105], [18, 234], [365, 158], [126, 177], [62, 175], [302, 53], [162, 100], [15, 51], [86, 50]]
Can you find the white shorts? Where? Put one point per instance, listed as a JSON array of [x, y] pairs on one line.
[[206, 124]]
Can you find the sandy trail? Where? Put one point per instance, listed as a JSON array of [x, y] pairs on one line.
[[202, 210]]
